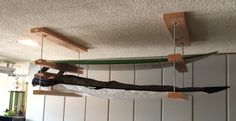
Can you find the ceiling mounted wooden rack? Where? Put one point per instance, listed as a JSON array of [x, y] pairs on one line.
[[182, 32], [177, 96], [58, 39]]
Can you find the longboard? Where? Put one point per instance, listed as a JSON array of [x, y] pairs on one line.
[[129, 63], [96, 85]]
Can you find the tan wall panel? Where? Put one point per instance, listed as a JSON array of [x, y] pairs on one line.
[[54, 108], [120, 109], [74, 106], [232, 90], [173, 109], [148, 109], [210, 72]]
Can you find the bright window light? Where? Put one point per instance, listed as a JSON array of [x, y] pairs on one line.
[[3, 75], [28, 42]]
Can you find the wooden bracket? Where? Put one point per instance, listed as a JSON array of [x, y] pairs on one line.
[[58, 39], [180, 65], [177, 96], [182, 32], [46, 75], [54, 93], [60, 66], [44, 69]]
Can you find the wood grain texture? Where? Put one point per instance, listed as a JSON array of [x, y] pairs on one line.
[[46, 75], [180, 65], [59, 66], [182, 32], [177, 96], [58, 39], [54, 93]]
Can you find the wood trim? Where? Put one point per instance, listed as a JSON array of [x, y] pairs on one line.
[[60, 66], [177, 96], [175, 58], [54, 93], [44, 69], [58, 39], [180, 65], [46, 75], [182, 32]]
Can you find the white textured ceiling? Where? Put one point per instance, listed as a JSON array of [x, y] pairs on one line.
[[115, 28]]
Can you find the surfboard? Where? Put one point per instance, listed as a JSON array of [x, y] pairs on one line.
[[129, 63], [114, 89]]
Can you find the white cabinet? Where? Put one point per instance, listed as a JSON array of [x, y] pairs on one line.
[[177, 110], [54, 108], [121, 110], [148, 109], [97, 107], [232, 90], [210, 72]]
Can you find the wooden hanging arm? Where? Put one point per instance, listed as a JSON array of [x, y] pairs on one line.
[[46, 75], [54, 93], [177, 96], [59, 66], [180, 65], [58, 39], [182, 33]]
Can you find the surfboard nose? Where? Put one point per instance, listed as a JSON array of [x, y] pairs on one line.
[[215, 89]]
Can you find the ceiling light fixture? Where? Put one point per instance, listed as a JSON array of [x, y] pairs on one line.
[[28, 42]]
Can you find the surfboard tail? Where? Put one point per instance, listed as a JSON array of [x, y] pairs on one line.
[[215, 89]]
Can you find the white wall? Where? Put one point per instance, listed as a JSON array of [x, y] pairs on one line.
[[7, 84], [212, 71]]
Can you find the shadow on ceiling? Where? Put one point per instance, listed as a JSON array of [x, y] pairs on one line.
[[72, 38], [153, 32], [212, 26]]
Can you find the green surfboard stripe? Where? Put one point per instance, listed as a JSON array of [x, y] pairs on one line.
[[139, 60]]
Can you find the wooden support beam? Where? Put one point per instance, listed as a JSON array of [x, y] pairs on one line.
[[177, 96], [60, 66], [180, 65], [182, 32], [58, 39], [46, 75], [54, 93], [44, 69]]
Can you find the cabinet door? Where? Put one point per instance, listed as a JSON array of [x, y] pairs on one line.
[[210, 72], [97, 107], [35, 107], [121, 109], [232, 90], [54, 108], [75, 106], [177, 110], [148, 109]]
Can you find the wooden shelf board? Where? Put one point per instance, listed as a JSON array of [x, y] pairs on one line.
[[54, 93], [58, 39], [182, 32], [177, 96], [180, 65], [60, 66]]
